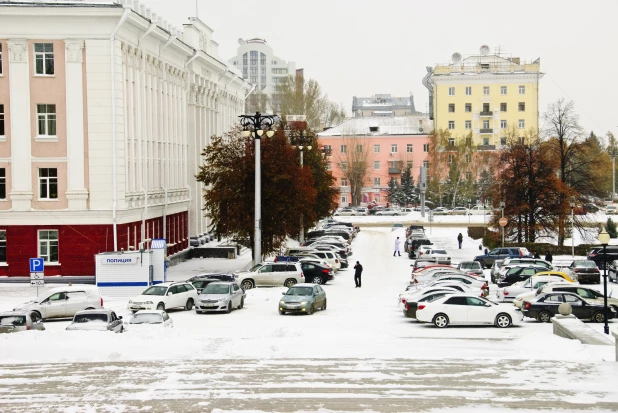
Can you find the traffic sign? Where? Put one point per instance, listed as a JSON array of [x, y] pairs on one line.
[[36, 275], [37, 283], [36, 264], [502, 221]]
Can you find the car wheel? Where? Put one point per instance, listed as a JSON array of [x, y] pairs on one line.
[[503, 321], [35, 316], [247, 285], [161, 306], [544, 317], [324, 306], [281, 312], [440, 320], [189, 305], [316, 280], [242, 303], [290, 282], [229, 307], [598, 317], [311, 310]]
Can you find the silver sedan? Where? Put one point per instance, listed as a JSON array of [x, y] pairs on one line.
[[220, 296]]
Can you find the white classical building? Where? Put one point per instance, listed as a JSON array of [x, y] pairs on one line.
[[104, 111], [260, 67]]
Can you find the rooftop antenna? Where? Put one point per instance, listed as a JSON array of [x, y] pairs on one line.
[[196, 10]]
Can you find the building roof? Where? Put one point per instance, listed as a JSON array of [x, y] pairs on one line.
[[383, 101], [379, 125]]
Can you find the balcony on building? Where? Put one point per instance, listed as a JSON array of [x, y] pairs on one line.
[[486, 147], [487, 113], [394, 171], [487, 130]]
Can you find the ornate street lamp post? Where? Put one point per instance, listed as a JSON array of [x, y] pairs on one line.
[[301, 140], [256, 125], [572, 233], [502, 205], [604, 240]]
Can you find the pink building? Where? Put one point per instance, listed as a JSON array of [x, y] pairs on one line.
[[386, 145]]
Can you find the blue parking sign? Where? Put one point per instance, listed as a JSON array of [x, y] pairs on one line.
[[36, 264]]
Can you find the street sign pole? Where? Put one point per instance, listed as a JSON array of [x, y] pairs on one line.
[[37, 266]]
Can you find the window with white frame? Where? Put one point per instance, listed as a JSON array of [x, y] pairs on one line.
[[451, 141], [425, 147], [451, 158], [409, 147], [468, 124], [451, 107], [451, 91], [2, 246], [425, 164], [48, 245], [44, 58], [485, 124], [468, 90], [329, 166], [359, 148], [503, 90], [344, 148], [468, 107], [376, 181], [522, 90], [521, 140], [486, 90], [48, 183], [344, 181], [502, 124], [1, 119], [376, 148], [485, 141], [393, 148], [410, 164], [395, 181], [376, 165], [468, 158], [521, 124], [46, 116], [344, 199], [2, 183], [503, 140], [522, 106], [344, 166], [451, 124]]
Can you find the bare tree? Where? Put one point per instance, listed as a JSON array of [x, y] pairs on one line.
[[354, 159], [257, 102]]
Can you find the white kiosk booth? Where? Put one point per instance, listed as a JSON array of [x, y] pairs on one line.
[[128, 273]]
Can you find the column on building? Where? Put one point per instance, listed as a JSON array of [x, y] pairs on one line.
[[77, 194], [21, 136]]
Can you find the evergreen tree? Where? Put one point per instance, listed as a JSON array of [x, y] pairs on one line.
[[610, 227], [392, 193]]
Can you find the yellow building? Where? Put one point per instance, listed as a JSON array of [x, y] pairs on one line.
[[485, 94]]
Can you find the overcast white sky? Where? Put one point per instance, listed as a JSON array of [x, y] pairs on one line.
[[364, 47]]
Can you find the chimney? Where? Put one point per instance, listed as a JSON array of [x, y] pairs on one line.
[[515, 60]]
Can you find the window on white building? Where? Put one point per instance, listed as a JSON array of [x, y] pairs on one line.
[[244, 60], [376, 165], [521, 124], [44, 58], [409, 148], [48, 245], [48, 183], [503, 90], [485, 124], [451, 91], [376, 181], [522, 90], [468, 124], [486, 90], [468, 90], [262, 59], [451, 124], [46, 116], [279, 71], [344, 148], [376, 148], [425, 147], [502, 124], [393, 148]]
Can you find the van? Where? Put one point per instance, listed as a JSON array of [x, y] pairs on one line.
[[63, 302], [596, 255]]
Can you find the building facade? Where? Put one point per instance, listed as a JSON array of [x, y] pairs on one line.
[[104, 110], [383, 105], [260, 67], [486, 94], [385, 145]]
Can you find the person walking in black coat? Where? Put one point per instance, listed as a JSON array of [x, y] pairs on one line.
[[548, 256], [358, 270], [460, 239]]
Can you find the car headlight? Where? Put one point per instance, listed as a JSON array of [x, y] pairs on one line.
[[281, 302], [147, 302], [303, 303]]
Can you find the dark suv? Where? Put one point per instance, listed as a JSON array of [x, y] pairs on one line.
[[487, 260], [415, 244], [596, 255]]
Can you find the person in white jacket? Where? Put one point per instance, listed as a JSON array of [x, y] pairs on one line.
[[397, 248]]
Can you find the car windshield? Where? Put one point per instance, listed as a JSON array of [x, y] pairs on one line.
[[469, 265], [148, 318], [438, 252], [90, 318], [587, 264], [300, 291], [155, 290], [13, 320], [216, 289], [255, 267]]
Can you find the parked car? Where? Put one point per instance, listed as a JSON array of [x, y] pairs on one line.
[[165, 296], [145, 319], [201, 282], [441, 211], [416, 243], [422, 263], [407, 210], [362, 211], [16, 321], [487, 260], [316, 273], [596, 254], [587, 293], [528, 261], [545, 306], [96, 320], [457, 284], [533, 283], [585, 271], [411, 305], [471, 267], [328, 254], [480, 210], [220, 296], [467, 309], [612, 270], [520, 298], [346, 212], [421, 250], [567, 277], [62, 302], [439, 256], [517, 274], [591, 207], [611, 209], [495, 270], [460, 211], [303, 298], [413, 292], [271, 274], [390, 211]]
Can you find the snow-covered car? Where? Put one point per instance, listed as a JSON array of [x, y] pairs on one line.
[[439, 256], [480, 210], [148, 319], [531, 284], [165, 296], [460, 211], [390, 211], [611, 209], [471, 267], [441, 211], [467, 310], [421, 250], [411, 305], [347, 212], [269, 274], [220, 297], [63, 302], [464, 288], [96, 320], [16, 321], [414, 292], [407, 210]]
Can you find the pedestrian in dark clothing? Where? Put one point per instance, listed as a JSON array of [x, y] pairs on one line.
[[460, 239], [548, 256], [536, 255], [358, 270]]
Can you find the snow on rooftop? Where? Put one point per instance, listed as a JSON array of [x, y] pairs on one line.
[[398, 125]]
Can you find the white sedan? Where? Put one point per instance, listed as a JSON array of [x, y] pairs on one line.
[[531, 284], [439, 256], [145, 319], [468, 310]]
